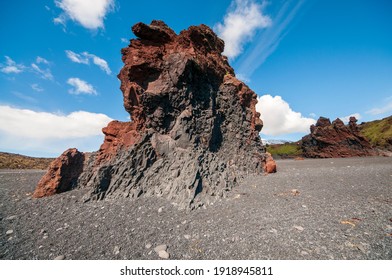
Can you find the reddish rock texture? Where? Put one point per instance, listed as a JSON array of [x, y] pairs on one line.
[[118, 135], [270, 165], [334, 140], [62, 174], [194, 131]]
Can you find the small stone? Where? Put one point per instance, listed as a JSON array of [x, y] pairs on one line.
[[138, 219], [187, 236], [13, 217], [184, 222], [161, 247], [148, 245], [116, 250], [160, 209], [9, 232], [42, 231], [163, 254], [304, 206], [304, 253], [273, 231], [299, 228], [61, 257]]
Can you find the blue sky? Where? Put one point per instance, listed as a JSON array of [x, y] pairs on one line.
[[305, 59]]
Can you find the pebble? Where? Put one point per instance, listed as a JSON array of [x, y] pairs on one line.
[[138, 219], [61, 257], [160, 209], [163, 254], [13, 217], [116, 250], [299, 228], [187, 236], [304, 253], [273, 231], [148, 245], [9, 232], [161, 247]]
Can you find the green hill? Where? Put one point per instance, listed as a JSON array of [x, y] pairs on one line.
[[15, 161], [379, 132]]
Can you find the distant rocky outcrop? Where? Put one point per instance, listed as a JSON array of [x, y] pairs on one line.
[[334, 140], [194, 131]]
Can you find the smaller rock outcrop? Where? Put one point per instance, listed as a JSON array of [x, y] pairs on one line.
[[334, 140], [62, 175]]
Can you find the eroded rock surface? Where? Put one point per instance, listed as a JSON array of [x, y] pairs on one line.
[[333, 140], [194, 131], [62, 175]]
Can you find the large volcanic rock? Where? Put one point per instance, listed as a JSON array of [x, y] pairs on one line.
[[62, 175], [194, 131], [334, 140]]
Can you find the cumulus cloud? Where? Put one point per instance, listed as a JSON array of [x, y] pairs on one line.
[[80, 87], [243, 19], [11, 66], [85, 58], [42, 132], [346, 119], [383, 109], [268, 39], [89, 13], [279, 118]]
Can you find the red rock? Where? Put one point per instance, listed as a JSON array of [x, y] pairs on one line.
[[334, 140], [62, 174], [118, 135], [270, 164]]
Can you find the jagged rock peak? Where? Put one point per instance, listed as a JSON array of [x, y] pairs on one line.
[[330, 140]]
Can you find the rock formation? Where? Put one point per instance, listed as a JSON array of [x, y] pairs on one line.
[[334, 140], [194, 131], [62, 175]]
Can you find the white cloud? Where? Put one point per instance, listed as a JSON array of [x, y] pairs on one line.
[[81, 87], [240, 23], [41, 60], [313, 115], [124, 40], [10, 66], [383, 109], [43, 73], [77, 58], [37, 87], [41, 132], [89, 13], [279, 118], [85, 57], [268, 39], [101, 63], [346, 119]]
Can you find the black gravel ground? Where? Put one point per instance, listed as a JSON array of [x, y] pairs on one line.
[[310, 209]]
